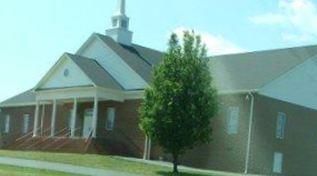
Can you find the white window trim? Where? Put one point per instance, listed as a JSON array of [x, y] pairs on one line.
[[277, 163], [233, 116], [108, 128]]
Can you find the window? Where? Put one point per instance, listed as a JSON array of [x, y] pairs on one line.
[[7, 124], [66, 72], [115, 22], [26, 122], [280, 125], [111, 113], [278, 162], [124, 24], [233, 119]]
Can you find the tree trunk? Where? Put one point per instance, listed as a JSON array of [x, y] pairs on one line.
[[175, 164]]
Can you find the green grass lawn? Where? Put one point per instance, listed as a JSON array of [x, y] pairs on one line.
[[98, 161], [19, 171]]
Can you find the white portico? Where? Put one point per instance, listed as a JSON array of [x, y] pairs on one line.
[[69, 83], [75, 96]]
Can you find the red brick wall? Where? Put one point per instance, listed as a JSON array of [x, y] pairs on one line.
[[126, 130], [16, 122], [225, 152], [299, 146]]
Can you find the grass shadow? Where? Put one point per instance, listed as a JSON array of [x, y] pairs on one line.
[[166, 173]]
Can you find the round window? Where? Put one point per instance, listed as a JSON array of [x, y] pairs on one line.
[[66, 72]]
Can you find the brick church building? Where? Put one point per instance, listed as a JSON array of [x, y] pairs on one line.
[[88, 102]]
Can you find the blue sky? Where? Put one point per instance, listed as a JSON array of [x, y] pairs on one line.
[[35, 33]]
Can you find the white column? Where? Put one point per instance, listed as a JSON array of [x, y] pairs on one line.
[[42, 119], [36, 119], [74, 116], [53, 120], [95, 118]]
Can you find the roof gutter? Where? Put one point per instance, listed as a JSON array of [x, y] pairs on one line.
[[242, 91]]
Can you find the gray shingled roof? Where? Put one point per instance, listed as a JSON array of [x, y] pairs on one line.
[[140, 59], [95, 72], [150, 55], [23, 98], [250, 71], [236, 72]]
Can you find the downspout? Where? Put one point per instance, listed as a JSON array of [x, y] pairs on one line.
[[247, 157]]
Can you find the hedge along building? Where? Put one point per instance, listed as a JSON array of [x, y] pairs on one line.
[[88, 102]]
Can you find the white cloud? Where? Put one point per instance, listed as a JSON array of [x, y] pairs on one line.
[[296, 37], [298, 17], [269, 18], [216, 44]]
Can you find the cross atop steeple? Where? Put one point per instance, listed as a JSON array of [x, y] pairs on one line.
[[120, 25]]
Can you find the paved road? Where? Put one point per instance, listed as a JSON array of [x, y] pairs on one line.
[[68, 168]]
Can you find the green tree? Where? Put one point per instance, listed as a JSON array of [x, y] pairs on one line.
[[181, 100]]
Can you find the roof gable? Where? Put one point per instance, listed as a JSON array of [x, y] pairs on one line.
[[107, 56], [64, 74], [296, 86], [96, 72], [251, 71]]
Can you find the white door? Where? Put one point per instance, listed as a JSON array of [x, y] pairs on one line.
[[87, 122], [70, 119]]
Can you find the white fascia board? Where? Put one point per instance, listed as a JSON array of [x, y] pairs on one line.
[[67, 93], [238, 92], [119, 95], [10, 105]]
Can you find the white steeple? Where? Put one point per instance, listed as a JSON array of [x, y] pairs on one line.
[[121, 7], [120, 26]]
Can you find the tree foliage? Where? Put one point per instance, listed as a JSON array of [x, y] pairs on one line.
[[181, 100]]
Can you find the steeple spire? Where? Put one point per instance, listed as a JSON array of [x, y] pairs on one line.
[[120, 25], [121, 7]]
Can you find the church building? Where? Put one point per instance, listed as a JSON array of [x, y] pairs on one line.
[[88, 103]]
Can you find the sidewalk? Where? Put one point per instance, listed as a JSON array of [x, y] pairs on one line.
[[68, 168], [185, 168]]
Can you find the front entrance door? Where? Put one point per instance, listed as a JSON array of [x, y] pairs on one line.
[[87, 122], [70, 120]]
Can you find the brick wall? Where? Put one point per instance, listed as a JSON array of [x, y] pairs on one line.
[[299, 146], [225, 152]]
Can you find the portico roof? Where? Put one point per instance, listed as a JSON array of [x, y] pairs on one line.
[[25, 98]]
